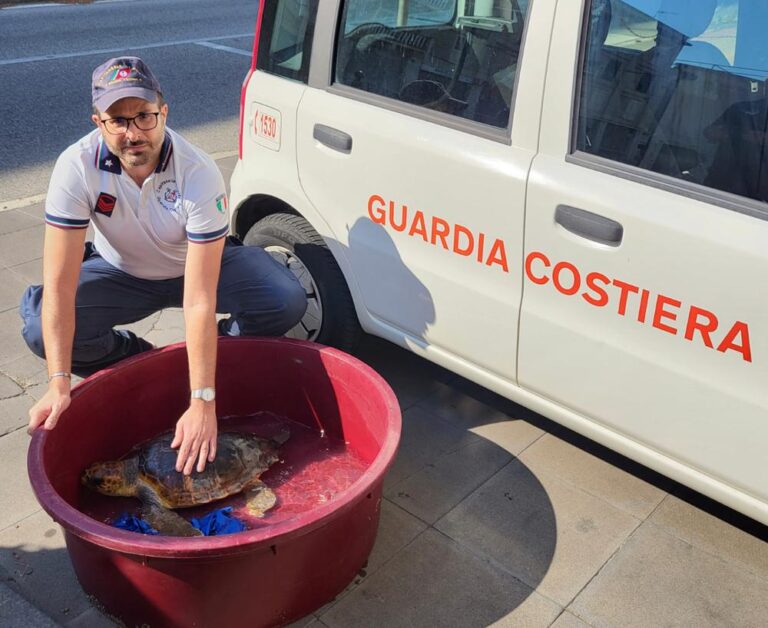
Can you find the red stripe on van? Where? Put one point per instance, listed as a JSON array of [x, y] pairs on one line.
[[247, 79]]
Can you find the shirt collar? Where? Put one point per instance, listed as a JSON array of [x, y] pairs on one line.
[[106, 160], [165, 154]]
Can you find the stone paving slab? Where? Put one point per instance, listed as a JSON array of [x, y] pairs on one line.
[[30, 273], [591, 474], [21, 246], [442, 484], [27, 370], [34, 553], [468, 405], [569, 620], [37, 391], [15, 220], [14, 413], [396, 531], [714, 535], [11, 287], [659, 580], [547, 533], [17, 501], [167, 329], [397, 528], [8, 387], [12, 345], [92, 618], [455, 588], [36, 210], [17, 612], [425, 438]]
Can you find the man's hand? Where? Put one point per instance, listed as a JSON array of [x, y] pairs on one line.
[[49, 409], [196, 437]]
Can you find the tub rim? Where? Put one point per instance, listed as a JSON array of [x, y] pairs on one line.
[[109, 537]]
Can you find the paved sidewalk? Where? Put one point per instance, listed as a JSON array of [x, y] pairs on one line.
[[492, 515]]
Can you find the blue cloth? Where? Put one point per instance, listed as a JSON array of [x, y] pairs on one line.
[[218, 522], [133, 524], [215, 523]]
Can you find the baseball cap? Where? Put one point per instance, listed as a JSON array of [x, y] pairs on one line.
[[122, 77]]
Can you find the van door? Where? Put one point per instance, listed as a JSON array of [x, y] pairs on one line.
[[405, 145], [646, 260]]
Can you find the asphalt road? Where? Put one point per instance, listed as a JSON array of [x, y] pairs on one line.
[[199, 50]]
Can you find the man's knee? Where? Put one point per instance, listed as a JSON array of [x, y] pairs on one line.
[[32, 331], [295, 299], [282, 312]]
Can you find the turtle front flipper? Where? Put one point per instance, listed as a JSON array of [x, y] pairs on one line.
[[259, 498], [168, 522], [163, 520]]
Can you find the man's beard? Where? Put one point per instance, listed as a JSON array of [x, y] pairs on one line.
[[136, 159]]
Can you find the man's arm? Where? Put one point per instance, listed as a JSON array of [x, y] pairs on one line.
[[62, 257], [196, 430]]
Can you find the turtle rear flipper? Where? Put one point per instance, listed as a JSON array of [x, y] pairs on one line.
[[259, 498], [163, 520]]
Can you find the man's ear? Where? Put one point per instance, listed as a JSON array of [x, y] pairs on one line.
[[95, 119]]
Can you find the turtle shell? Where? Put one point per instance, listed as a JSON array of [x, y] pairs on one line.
[[240, 459]]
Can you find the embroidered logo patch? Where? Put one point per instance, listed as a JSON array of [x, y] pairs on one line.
[[168, 195], [105, 204], [221, 203]]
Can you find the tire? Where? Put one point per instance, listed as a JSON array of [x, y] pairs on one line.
[[330, 318]]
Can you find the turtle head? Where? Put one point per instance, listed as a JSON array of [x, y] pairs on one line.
[[110, 478]]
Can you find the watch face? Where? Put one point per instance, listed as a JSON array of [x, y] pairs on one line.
[[206, 394]]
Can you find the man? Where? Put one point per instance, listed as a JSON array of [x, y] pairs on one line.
[[158, 206]]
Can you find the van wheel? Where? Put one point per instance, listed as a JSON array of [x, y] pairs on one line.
[[330, 318]]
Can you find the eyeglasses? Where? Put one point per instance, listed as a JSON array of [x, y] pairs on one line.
[[145, 121]]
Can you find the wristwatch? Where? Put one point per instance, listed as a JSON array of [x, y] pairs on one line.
[[206, 394]]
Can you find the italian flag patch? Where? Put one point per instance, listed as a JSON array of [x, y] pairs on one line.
[[221, 203]]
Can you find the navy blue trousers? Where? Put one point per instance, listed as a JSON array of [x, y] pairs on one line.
[[262, 296]]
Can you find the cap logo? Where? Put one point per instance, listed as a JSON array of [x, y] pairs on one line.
[[120, 73]]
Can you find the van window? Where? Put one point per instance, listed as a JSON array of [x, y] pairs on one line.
[[678, 87], [285, 39], [455, 56]]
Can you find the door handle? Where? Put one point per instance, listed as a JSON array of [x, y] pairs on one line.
[[590, 226], [333, 138]]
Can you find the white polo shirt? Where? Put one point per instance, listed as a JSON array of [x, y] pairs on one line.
[[141, 230]]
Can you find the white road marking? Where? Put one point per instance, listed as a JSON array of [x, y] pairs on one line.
[[47, 5], [238, 51], [31, 200], [86, 53], [21, 202]]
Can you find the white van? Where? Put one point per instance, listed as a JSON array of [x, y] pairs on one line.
[[564, 201]]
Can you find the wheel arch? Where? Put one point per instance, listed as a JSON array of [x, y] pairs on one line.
[[256, 207]]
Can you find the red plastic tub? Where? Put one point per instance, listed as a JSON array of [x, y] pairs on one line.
[[301, 555]]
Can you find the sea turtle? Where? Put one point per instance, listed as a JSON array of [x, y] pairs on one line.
[[149, 473]]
